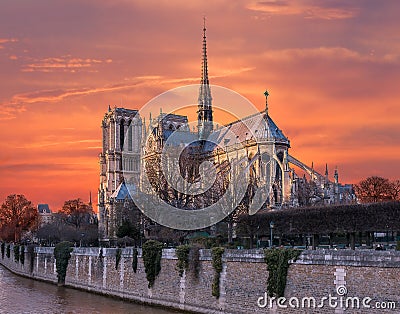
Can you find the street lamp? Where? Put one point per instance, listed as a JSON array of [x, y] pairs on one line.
[[258, 241], [82, 235], [271, 227]]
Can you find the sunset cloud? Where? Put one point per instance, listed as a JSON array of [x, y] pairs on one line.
[[333, 53], [10, 111], [8, 40], [332, 69], [55, 143], [5, 41], [18, 102], [309, 9], [64, 64]]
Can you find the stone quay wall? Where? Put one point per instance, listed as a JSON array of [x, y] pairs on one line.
[[243, 280]]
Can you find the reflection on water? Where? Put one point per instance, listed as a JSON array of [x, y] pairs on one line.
[[22, 295]]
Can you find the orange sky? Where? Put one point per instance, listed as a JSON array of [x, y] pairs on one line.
[[332, 70]]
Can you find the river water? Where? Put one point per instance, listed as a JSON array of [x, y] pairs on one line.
[[22, 295]]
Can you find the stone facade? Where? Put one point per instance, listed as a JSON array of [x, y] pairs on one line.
[[119, 162], [132, 151], [243, 279]]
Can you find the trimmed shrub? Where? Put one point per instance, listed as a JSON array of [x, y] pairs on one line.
[[22, 255], [217, 253], [182, 252], [8, 251], [152, 252], [62, 253], [16, 253], [31, 254], [277, 265], [118, 254], [3, 249], [134, 260]]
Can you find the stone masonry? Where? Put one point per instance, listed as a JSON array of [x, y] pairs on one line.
[[243, 281]]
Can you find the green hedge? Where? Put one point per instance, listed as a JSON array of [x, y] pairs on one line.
[[152, 253], [336, 219], [182, 252], [118, 255], [277, 265], [217, 253], [22, 255], [62, 253], [134, 259], [31, 255], [16, 253]]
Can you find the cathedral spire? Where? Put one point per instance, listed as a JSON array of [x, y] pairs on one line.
[[204, 65], [204, 113], [266, 94]]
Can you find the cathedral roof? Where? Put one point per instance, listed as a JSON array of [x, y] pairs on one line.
[[123, 191], [126, 111], [120, 112], [182, 137], [257, 126]]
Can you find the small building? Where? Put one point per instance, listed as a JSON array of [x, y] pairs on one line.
[[45, 214]]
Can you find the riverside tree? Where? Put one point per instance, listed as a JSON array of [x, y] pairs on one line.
[[76, 212], [16, 216], [377, 189]]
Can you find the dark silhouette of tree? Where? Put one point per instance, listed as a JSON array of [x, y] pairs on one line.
[[352, 218], [166, 235], [50, 233], [127, 229], [250, 225], [374, 189], [306, 192], [60, 230], [76, 212], [395, 190], [17, 215]]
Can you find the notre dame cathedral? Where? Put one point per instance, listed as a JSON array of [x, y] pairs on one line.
[[130, 149]]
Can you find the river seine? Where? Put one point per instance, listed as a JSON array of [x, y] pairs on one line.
[[22, 295]]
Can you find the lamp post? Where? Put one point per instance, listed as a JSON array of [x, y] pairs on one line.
[[258, 241], [80, 242], [271, 227]]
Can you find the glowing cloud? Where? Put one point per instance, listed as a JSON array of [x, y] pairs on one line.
[[308, 9]]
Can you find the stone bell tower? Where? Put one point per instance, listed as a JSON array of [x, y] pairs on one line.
[[119, 160]]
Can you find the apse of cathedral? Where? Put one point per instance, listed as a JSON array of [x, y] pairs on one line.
[[131, 150]]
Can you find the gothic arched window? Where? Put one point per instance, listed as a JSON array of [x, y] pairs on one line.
[[121, 134], [130, 126]]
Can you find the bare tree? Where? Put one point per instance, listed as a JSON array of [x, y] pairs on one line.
[[249, 225], [306, 192], [17, 215], [76, 212], [374, 189], [395, 190]]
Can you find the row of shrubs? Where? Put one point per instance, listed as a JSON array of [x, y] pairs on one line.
[[188, 260], [19, 252]]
